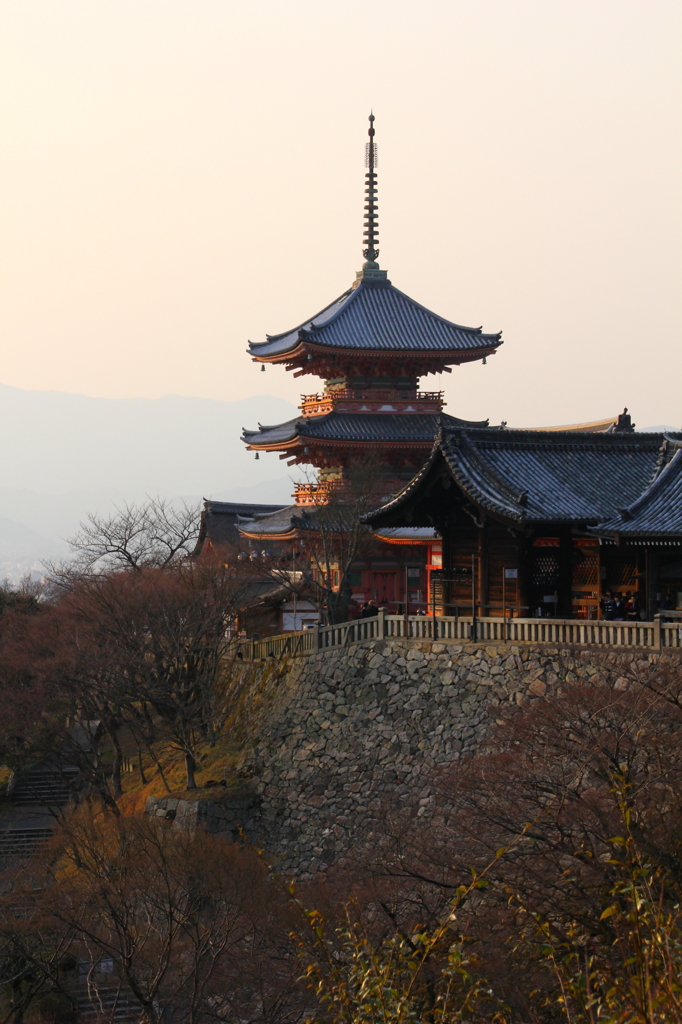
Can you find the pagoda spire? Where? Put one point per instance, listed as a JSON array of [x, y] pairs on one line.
[[371, 238]]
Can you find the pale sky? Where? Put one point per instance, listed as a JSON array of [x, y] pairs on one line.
[[177, 177]]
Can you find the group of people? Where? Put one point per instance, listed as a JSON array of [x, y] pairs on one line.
[[368, 610], [621, 608]]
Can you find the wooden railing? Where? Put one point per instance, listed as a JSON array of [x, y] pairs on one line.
[[373, 394], [287, 644], [671, 634], [318, 493], [654, 635]]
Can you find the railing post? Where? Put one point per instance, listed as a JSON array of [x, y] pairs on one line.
[[381, 623], [657, 632], [316, 638]]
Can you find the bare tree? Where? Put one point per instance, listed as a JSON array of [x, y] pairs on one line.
[[333, 538], [144, 649], [190, 927], [563, 763], [155, 534], [150, 651]]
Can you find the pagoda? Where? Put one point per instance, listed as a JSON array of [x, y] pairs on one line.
[[371, 346]]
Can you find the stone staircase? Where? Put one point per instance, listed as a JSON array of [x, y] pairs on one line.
[[36, 795], [45, 785], [20, 842], [109, 1005]]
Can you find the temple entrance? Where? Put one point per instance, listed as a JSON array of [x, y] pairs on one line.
[[545, 578], [671, 586], [384, 587]]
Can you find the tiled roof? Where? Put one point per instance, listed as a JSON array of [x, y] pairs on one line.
[[237, 508], [279, 433], [219, 520], [376, 316], [416, 533], [658, 512], [342, 426], [275, 523], [533, 476]]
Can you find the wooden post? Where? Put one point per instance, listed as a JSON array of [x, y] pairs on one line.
[[445, 529], [563, 598], [433, 604], [483, 571], [653, 577], [657, 632], [381, 623]]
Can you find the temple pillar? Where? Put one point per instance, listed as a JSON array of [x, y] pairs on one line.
[[652, 580], [482, 569], [565, 588]]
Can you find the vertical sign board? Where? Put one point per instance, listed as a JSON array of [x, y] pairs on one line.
[[507, 574]]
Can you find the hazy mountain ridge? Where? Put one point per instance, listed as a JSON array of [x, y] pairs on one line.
[[63, 455]]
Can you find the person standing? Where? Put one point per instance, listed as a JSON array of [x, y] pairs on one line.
[[609, 607], [632, 608]]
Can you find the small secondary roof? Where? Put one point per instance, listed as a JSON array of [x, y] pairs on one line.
[[219, 521], [658, 512]]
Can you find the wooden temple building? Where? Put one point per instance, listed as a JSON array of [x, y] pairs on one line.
[[543, 522]]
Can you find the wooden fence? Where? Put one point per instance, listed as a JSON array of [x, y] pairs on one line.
[[654, 635]]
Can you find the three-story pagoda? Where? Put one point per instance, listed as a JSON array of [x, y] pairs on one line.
[[371, 346]]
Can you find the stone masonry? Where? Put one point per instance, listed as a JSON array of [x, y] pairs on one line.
[[331, 738]]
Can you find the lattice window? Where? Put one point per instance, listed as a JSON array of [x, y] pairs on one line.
[[546, 570], [622, 571], [586, 572]]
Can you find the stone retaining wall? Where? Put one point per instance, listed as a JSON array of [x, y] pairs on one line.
[[330, 738], [217, 816]]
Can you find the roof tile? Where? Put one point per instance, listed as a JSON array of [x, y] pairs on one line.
[[536, 476], [658, 512], [340, 426], [375, 316]]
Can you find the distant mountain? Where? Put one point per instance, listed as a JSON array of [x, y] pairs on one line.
[[62, 456], [19, 541], [55, 442]]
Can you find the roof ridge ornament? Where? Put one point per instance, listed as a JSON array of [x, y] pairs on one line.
[[371, 222]]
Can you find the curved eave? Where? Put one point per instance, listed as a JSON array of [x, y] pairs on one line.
[[656, 537], [329, 442], [337, 306], [298, 354], [470, 490], [406, 541], [262, 536], [473, 486], [403, 496]]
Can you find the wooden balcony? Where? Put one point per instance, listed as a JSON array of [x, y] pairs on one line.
[[371, 400], [317, 493]]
